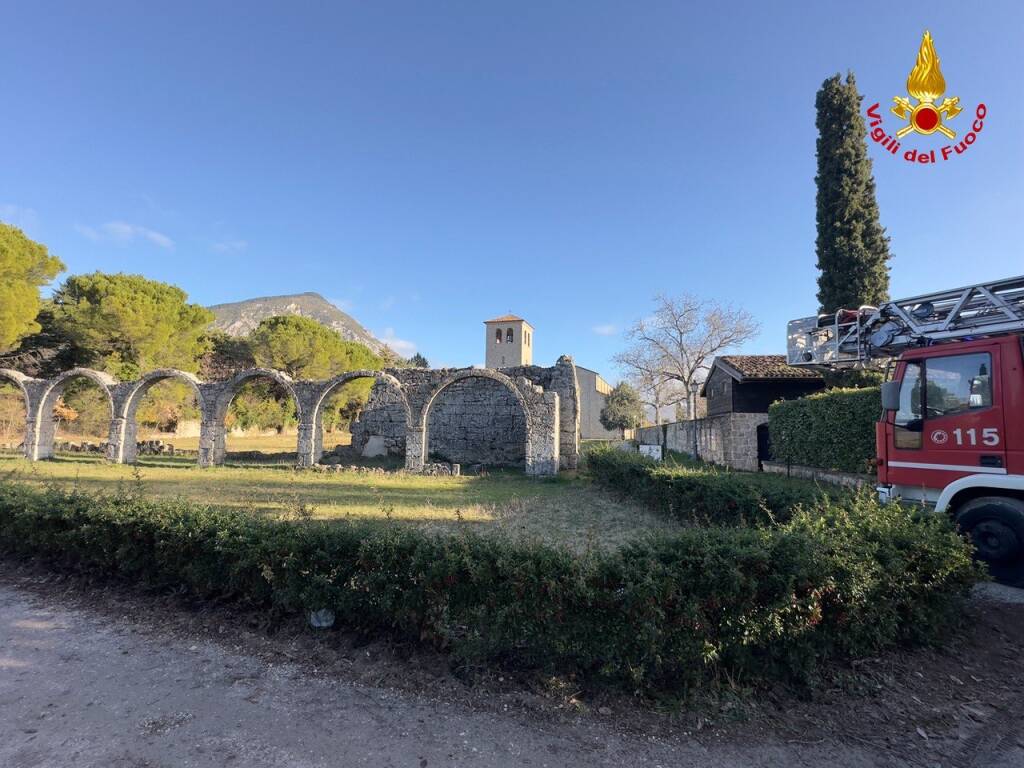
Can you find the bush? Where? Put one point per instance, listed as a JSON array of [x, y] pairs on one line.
[[829, 430], [701, 493], [659, 614]]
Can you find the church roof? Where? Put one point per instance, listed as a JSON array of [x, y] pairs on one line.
[[507, 319]]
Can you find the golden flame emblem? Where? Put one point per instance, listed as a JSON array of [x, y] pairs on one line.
[[926, 83]]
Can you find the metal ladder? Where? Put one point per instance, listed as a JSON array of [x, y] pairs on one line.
[[851, 338]]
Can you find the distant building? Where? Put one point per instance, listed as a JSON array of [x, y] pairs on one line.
[[509, 342], [593, 393]]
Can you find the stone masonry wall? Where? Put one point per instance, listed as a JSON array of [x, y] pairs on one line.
[[382, 415], [729, 439], [477, 421]]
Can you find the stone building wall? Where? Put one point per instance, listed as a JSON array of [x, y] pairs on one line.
[[729, 439]]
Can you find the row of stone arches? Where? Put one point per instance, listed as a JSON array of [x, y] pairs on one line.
[[417, 393]]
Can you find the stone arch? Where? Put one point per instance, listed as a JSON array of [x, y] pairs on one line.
[[20, 380], [326, 388], [217, 397], [127, 450], [44, 425], [477, 373]]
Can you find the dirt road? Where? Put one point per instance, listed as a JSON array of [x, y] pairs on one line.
[[83, 687]]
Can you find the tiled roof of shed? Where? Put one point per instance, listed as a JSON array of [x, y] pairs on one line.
[[765, 367]]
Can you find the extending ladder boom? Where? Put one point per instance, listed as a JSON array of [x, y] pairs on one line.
[[853, 337]]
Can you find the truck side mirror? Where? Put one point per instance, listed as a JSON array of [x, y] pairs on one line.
[[891, 395]]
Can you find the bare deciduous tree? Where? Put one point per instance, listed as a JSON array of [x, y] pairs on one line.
[[676, 345], [643, 372]]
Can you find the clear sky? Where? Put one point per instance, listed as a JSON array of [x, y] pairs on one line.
[[430, 165]]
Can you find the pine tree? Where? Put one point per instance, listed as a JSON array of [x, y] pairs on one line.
[[852, 247]]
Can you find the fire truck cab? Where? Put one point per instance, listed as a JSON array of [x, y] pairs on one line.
[[951, 435]]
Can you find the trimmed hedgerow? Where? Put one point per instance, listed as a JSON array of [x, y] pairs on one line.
[[702, 493], [660, 614], [829, 430]]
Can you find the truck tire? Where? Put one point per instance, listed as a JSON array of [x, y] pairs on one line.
[[995, 525]]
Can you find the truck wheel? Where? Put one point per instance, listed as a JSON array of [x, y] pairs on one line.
[[996, 527]]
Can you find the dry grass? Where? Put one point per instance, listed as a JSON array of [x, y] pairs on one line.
[[567, 509]]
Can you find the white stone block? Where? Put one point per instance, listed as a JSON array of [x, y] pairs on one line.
[[375, 447]]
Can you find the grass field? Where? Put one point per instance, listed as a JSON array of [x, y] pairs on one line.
[[566, 509]]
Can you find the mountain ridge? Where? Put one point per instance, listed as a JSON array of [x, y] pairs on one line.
[[239, 318]]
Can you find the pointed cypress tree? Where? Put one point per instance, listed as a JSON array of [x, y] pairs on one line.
[[852, 246]]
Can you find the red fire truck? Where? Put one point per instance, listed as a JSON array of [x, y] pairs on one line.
[[951, 432]]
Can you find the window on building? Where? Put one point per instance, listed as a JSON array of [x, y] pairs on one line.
[[508, 336], [527, 338], [497, 336]]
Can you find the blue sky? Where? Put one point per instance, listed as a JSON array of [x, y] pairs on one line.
[[430, 165]]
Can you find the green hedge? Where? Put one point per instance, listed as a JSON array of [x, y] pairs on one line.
[[701, 493], [660, 614], [830, 430]]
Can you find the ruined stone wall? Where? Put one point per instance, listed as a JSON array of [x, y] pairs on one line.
[[476, 415], [382, 415], [499, 432], [477, 421], [473, 421]]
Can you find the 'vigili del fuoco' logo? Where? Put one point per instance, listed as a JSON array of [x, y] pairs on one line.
[[926, 85]]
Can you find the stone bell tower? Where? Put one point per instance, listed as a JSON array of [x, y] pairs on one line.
[[509, 342]]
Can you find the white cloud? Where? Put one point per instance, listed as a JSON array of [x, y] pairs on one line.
[[230, 246], [402, 347], [18, 215], [607, 329], [123, 232]]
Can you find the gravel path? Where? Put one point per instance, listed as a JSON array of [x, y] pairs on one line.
[[77, 690], [81, 686]]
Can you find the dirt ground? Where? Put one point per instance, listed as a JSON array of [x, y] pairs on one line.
[[104, 675]]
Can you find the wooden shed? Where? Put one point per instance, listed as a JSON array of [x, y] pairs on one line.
[[751, 383]]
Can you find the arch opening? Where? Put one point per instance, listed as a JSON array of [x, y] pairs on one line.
[[76, 415], [258, 420], [14, 414], [162, 417], [371, 418], [478, 418]]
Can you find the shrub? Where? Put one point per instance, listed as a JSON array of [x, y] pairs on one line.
[[701, 493], [829, 430], [756, 604]]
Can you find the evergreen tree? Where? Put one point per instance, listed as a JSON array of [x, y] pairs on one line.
[[25, 265], [128, 324], [852, 246], [622, 408]]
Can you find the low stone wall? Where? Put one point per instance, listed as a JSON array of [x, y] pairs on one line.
[[833, 476], [729, 439]]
